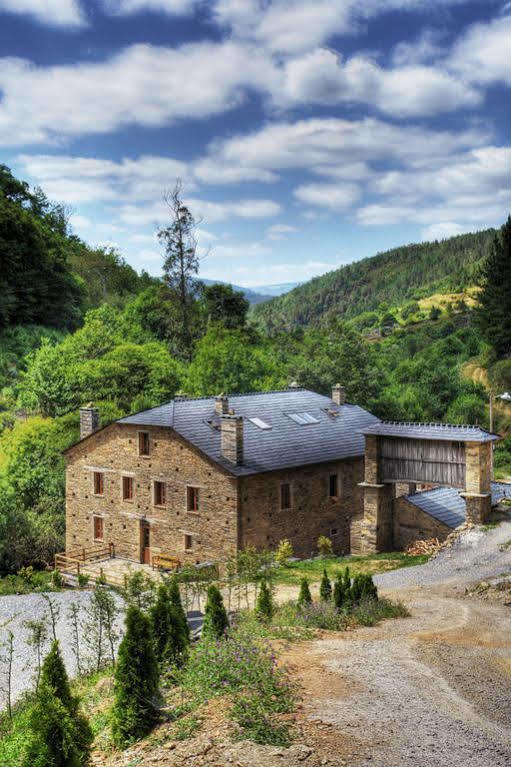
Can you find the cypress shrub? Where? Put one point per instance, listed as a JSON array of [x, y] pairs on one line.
[[159, 615], [264, 606], [304, 597], [369, 588], [216, 621], [135, 681], [325, 588], [175, 601], [347, 579], [51, 739], [175, 652], [357, 588], [339, 592]]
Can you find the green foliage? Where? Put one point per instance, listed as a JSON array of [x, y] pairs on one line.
[[216, 621], [264, 607], [170, 628], [136, 693], [392, 277], [494, 312], [284, 552], [325, 546], [339, 591], [51, 735], [222, 304], [304, 597], [325, 587]]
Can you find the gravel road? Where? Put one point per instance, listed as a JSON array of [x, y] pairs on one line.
[[434, 689]]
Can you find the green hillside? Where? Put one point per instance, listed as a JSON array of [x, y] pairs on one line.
[[404, 273]]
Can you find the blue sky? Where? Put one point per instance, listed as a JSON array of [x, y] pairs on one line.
[[307, 134]]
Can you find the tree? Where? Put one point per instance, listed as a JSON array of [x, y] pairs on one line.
[[177, 605], [264, 606], [325, 587], [325, 546], [159, 616], [284, 552], [304, 597], [216, 621], [51, 734], [135, 681], [181, 262], [221, 303], [493, 314], [339, 591]]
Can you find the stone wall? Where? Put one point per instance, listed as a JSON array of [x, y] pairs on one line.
[[412, 524], [313, 513], [114, 451]]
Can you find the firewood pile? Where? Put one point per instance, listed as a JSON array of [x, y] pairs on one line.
[[431, 546]]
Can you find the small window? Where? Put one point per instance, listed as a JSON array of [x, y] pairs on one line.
[[143, 443], [333, 486], [285, 496], [260, 423], [99, 483], [159, 493], [127, 488], [304, 419], [188, 542], [98, 528], [192, 499]]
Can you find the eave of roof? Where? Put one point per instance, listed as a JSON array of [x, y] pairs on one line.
[[432, 431]]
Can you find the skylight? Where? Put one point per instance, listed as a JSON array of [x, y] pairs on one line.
[[303, 418], [260, 423]]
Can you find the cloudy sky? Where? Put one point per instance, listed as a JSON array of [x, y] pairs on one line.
[[308, 133]]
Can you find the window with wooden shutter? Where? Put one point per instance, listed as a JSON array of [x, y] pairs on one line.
[[99, 483], [98, 528], [159, 493], [127, 488], [285, 496], [192, 499], [143, 443]]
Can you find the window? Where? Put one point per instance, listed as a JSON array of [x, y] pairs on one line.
[[99, 483], [304, 419], [260, 423], [192, 499], [98, 528], [188, 542], [333, 486], [127, 488], [285, 496], [159, 493], [143, 443]]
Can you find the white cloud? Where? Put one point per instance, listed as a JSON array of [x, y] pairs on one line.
[[59, 13], [482, 55], [150, 255], [79, 222], [444, 229], [333, 196], [143, 84], [423, 50], [87, 179], [130, 7], [320, 77], [206, 210], [280, 231]]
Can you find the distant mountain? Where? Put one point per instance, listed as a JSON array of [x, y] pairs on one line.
[[260, 293], [405, 273]]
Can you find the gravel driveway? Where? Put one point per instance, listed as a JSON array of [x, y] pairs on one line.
[[433, 690]]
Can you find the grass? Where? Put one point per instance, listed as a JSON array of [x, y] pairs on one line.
[[312, 569], [490, 526], [505, 546]]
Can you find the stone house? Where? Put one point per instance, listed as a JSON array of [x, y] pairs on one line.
[[202, 478]]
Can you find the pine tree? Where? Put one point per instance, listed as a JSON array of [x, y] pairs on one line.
[[135, 681], [369, 589], [264, 606], [216, 621], [175, 601], [159, 615], [493, 314], [347, 579], [339, 592], [325, 588], [357, 588], [304, 597], [175, 652], [51, 738]]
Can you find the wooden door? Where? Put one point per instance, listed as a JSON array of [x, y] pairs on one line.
[[145, 542]]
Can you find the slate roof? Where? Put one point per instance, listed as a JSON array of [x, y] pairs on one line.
[[336, 435], [447, 505], [434, 431]]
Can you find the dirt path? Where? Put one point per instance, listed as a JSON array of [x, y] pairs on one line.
[[431, 690]]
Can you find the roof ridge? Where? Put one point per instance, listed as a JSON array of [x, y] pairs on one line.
[[436, 423], [186, 398]]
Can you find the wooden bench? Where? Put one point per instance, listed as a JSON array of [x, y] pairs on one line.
[[165, 562]]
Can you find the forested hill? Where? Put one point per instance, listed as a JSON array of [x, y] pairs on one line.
[[407, 272]]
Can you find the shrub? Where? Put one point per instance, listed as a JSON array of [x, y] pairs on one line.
[[284, 552], [159, 617], [325, 588], [370, 611], [339, 591], [50, 740], [177, 605], [83, 580], [304, 597], [325, 546], [323, 615], [264, 606], [135, 681], [57, 580], [216, 621]]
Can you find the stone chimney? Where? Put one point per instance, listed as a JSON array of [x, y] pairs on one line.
[[89, 420], [338, 394], [231, 438], [221, 404]]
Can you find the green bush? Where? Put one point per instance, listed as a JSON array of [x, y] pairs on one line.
[[136, 690], [216, 621], [325, 548], [325, 587], [304, 597], [284, 552], [339, 591], [264, 607]]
